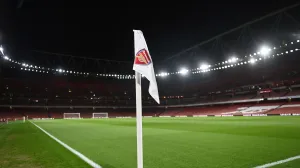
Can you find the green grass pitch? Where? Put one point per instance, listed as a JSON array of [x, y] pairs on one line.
[[210, 142]]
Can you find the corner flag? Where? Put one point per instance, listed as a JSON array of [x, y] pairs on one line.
[[143, 65]]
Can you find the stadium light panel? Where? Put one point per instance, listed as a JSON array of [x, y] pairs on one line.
[[204, 67], [6, 57], [252, 60], [233, 60], [183, 71], [163, 74], [1, 49], [264, 51]]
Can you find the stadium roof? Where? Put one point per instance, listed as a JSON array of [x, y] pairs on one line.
[[69, 39]]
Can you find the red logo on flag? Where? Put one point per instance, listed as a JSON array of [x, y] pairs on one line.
[[142, 57]]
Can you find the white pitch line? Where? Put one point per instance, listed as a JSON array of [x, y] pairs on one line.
[[81, 156], [278, 162]]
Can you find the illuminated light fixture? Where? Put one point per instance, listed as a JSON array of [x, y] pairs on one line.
[[183, 71], [252, 61], [264, 51], [163, 74], [204, 66], [233, 60], [1, 49]]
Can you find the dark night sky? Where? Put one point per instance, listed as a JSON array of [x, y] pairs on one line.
[[105, 30]]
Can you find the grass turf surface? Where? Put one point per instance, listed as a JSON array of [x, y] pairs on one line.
[[22, 145], [211, 142]]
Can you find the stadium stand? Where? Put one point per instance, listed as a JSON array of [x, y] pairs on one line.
[[241, 90], [34, 103]]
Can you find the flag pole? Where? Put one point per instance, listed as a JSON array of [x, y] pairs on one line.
[[139, 122]]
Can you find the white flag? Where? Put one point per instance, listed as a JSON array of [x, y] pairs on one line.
[[143, 63]]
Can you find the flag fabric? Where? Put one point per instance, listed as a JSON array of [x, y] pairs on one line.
[[143, 63]]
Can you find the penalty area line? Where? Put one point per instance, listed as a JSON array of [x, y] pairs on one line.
[[81, 156], [278, 162]]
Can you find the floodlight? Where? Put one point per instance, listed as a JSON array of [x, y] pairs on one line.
[[232, 60], [252, 60], [204, 67], [1, 49], [265, 51], [163, 74], [183, 71]]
